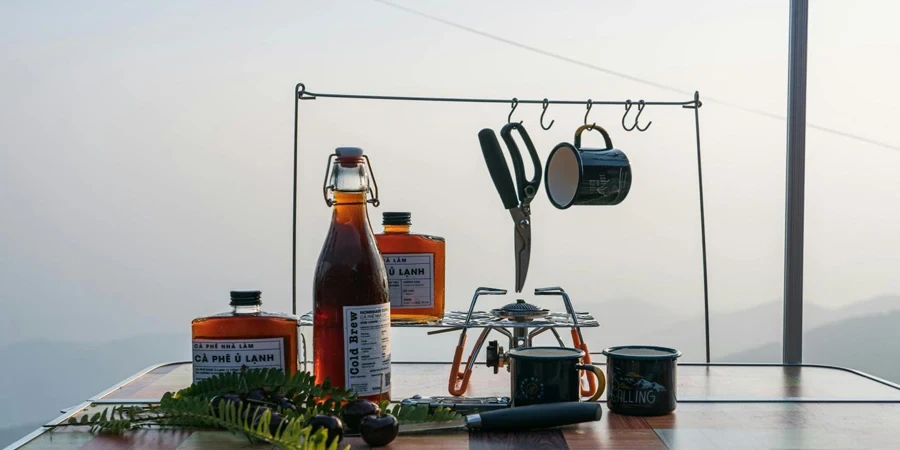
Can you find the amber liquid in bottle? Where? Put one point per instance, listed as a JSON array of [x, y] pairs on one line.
[[415, 266], [351, 315], [246, 336]]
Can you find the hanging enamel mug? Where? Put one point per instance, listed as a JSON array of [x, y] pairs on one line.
[[587, 176]]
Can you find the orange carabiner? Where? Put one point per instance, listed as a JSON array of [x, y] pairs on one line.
[[459, 380], [591, 377]]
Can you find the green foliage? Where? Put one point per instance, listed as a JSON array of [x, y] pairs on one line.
[[197, 412], [191, 408], [120, 418], [301, 387], [418, 413]]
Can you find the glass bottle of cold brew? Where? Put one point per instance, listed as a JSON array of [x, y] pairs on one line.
[[415, 266], [351, 304]]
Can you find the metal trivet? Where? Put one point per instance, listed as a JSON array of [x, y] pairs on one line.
[[456, 320]]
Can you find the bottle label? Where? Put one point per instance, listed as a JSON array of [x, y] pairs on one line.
[[367, 344], [411, 279], [215, 356]]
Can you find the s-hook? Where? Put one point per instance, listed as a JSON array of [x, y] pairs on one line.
[[589, 104], [628, 105], [546, 102], [513, 105]]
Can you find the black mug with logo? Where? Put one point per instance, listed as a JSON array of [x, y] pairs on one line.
[[642, 379], [549, 375], [576, 175]]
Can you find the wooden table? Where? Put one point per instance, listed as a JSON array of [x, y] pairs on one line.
[[720, 407]]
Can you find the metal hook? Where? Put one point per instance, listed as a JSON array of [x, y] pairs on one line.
[[514, 105], [302, 94], [546, 102], [627, 108], [638, 117], [589, 104]]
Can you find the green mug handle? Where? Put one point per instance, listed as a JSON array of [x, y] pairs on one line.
[[601, 379]]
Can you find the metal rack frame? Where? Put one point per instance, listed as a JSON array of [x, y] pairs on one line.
[[300, 93]]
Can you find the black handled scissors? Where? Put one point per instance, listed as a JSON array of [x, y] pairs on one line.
[[516, 198]]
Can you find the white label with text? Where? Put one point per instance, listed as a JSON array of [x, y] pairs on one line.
[[411, 279], [215, 356], [367, 343]]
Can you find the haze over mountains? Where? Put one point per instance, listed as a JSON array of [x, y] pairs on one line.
[[869, 343], [62, 374], [745, 329], [67, 373]]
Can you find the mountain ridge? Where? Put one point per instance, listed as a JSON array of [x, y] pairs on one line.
[[733, 332], [846, 343]]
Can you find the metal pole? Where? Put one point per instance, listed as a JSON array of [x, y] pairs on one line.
[[794, 190], [702, 222], [297, 90], [308, 95]]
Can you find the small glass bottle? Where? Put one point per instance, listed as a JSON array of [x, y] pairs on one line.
[[246, 336], [351, 308], [415, 269]]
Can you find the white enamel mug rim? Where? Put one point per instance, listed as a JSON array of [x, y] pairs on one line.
[[563, 175]]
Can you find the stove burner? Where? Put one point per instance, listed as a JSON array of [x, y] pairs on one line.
[[520, 311]]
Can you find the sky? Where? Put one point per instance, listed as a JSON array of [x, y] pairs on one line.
[[146, 150]]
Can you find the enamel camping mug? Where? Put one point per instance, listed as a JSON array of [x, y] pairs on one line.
[[577, 175], [549, 375], [642, 379]]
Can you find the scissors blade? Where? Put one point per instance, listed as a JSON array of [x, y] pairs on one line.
[[523, 245]]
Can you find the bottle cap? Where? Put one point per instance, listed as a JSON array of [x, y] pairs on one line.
[[246, 298], [396, 218], [349, 152]]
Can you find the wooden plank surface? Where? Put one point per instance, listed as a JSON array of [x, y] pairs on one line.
[[713, 425], [691, 426]]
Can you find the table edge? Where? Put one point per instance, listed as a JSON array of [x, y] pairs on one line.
[[97, 398]]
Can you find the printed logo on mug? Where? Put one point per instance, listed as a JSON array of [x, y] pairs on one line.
[[587, 176]]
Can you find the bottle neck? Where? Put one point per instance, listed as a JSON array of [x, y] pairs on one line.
[[349, 176], [351, 185], [396, 229], [248, 309]]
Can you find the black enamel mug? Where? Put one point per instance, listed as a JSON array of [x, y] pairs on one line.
[[642, 380], [576, 175], [549, 375]]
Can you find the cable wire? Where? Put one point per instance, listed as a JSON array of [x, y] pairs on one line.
[[630, 77]]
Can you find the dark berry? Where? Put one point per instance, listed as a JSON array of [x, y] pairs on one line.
[[227, 398], [354, 412], [284, 404], [277, 421], [331, 423], [257, 395], [254, 413], [378, 431]]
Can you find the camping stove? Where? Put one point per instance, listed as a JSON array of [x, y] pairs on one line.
[[519, 321], [526, 322]]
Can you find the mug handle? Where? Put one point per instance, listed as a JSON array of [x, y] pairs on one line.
[[601, 379], [592, 384], [606, 138]]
